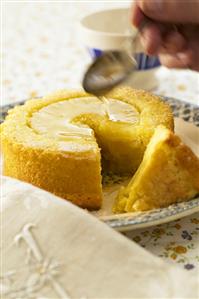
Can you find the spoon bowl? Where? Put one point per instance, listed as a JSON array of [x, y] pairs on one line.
[[107, 71]]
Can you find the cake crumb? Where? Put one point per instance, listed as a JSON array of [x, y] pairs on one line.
[[33, 94], [181, 87]]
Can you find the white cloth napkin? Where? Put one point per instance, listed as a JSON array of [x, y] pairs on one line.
[[53, 249]]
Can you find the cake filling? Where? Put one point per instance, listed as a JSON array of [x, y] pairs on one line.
[[58, 118], [89, 122]]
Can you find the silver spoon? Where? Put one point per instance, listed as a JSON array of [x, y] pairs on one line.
[[111, 68], [107, 71]]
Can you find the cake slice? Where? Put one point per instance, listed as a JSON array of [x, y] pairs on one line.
[[169, 173]]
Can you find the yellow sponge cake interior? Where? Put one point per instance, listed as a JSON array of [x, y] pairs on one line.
[[169, 173]]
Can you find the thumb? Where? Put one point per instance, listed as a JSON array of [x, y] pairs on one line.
[[177, 11]]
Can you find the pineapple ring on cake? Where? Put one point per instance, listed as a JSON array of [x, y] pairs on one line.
[[59, 142]]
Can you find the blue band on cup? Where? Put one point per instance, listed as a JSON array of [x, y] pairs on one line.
[[95, 52], [144, 61]]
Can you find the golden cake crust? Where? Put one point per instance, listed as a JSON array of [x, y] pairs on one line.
[[76, 175]]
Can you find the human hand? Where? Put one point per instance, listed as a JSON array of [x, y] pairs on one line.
[[172, 33]]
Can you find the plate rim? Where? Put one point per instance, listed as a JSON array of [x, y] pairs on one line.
[[132, 223]]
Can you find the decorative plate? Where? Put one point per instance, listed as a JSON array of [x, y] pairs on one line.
[[129, 221]]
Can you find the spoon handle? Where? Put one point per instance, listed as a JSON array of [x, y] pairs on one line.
[[142, 25]]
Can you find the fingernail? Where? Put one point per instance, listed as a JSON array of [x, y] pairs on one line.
[[185, 58], [146, 44], [182, 56]]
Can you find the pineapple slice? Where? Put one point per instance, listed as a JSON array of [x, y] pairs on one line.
[[80, 120], [169, 173]]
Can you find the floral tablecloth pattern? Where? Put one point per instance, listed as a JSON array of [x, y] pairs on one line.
[[177, 241], [42, 52]]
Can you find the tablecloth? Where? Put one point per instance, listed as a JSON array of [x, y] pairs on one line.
[[42, 52]]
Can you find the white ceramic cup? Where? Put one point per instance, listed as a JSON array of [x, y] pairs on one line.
[[111, 30]]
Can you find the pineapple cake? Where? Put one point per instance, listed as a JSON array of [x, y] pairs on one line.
[[62, 141]]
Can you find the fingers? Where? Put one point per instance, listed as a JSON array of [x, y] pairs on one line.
[[136, 15], [155, 42], [151, 39], [177, 11], [176, 49], [156, 36], [178, 60], [172, 43]]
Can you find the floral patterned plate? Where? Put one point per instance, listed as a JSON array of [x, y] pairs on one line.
[[130, 221]]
